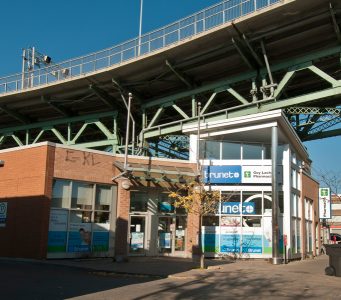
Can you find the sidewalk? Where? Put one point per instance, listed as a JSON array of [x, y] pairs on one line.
[[182, 267]]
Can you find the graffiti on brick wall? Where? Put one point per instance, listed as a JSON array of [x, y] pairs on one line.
[[85, 158]]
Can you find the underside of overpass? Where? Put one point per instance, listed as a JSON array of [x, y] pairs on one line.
[[284, 56]]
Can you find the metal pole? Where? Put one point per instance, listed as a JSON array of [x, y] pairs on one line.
[[276, 260], [198, 139], [23, 69], [130, 96], [140, 28]]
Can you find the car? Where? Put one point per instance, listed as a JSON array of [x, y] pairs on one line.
[[335, 237]]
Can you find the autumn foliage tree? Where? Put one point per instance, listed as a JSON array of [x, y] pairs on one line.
[[197, 200]]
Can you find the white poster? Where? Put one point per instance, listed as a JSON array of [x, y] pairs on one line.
[[324, 203], [58, 220]]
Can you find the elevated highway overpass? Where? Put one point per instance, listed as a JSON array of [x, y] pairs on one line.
[[236, 58]]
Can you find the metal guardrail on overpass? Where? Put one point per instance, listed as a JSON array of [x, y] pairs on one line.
[[197, 23]]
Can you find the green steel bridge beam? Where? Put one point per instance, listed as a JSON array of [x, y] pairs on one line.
[[110, 137]]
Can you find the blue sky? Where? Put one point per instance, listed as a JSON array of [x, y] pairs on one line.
[[69, 28]]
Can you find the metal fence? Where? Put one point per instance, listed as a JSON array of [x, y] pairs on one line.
[[197, 23]]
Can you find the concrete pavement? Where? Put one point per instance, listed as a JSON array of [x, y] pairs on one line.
[[175, 278]]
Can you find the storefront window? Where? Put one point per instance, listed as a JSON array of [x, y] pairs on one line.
[[82, 225], [138, 201], [210, 221], [212, 150], [231, 150], [252, 203], [165, 204], [101, 217], [78, 216], [267, 152], [60, 194], [252, 151], [103, 197], [81, 197], [250, 221]]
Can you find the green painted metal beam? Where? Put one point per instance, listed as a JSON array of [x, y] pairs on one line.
[[180, 111], [15, 115], [251, 108], [322, 135], [58, 122], [223, 84]]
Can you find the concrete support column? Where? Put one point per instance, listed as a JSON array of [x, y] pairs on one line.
[[275, 228]]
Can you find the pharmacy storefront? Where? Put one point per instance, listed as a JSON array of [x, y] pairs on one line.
[[257, 162], [242, 226]]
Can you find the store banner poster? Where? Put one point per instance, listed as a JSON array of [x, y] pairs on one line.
[[57, 234], [324, 203], [210, 238], [165, 240], [137, 240], [100, 237], [252, 243], [79, 237], [3, 214], [230, 243], [222, 174], [267, 235]]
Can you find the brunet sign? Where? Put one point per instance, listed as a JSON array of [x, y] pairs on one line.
[[238, 174]]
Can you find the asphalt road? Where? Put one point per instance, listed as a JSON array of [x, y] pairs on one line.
[[240, 280], [35, 281]]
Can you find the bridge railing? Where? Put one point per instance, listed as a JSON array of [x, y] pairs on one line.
[[197, 23]]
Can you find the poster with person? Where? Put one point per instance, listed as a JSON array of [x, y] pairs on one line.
[[79, 237]]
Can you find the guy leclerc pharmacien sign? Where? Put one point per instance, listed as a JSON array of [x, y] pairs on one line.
[[324, 203]]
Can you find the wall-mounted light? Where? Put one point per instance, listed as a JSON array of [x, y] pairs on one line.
[[126, 184], [2, 163]]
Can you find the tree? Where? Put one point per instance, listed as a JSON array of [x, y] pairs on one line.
[[332, 180], [198, 201]]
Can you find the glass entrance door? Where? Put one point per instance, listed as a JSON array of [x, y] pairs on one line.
[[171, 235], [137, 235]]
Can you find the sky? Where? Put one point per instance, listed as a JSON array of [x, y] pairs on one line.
[[66, 29]]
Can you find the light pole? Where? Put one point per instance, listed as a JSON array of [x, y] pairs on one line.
[[140, 28]]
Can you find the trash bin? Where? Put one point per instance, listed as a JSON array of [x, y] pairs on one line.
[[334, 253]]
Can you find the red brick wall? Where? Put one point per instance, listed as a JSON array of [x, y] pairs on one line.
[[25, 234], [310, 190], [83, 165], [24, 172], [121, 236], [26, 184]]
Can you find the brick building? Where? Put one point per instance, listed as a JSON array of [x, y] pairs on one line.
[[62, 202]]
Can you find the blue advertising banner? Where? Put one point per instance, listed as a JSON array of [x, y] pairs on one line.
[[56, 241], [235, 208], [100, 241], [222, 174], [252, 243], [230, 243]]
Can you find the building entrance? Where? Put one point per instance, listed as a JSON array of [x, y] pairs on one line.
[[172, 235], [137, 235]]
